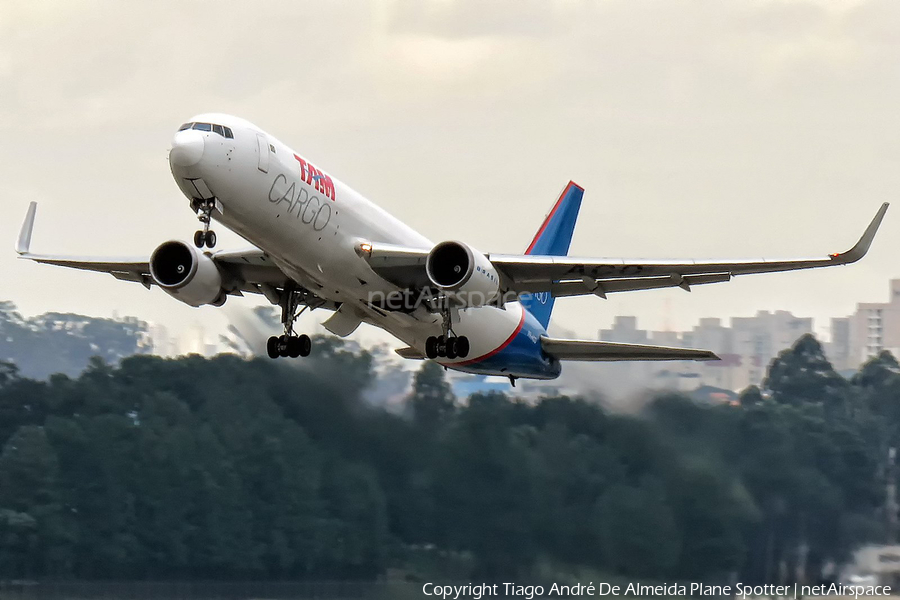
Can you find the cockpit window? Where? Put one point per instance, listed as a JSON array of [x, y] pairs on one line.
[[212, 127]]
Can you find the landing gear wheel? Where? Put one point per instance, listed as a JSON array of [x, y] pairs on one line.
[[431, 347], [204, 208], [462, 346], [283, 345], [288, 346], [304, 345], [451, 348], [272, 347]]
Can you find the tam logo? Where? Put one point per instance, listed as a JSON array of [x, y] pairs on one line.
[[315, 177]]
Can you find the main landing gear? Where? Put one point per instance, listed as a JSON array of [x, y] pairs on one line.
[[289, 344], [447, 345], [205, 236]]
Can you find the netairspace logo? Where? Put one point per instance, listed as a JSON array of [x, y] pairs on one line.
[[410, 300], [477, 591]]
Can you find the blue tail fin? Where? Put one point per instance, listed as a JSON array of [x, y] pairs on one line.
[[553, 239]]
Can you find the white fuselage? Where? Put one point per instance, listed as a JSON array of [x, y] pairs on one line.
[[311, 225]]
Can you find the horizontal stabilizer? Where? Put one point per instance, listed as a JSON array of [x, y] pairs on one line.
[[593, 350]]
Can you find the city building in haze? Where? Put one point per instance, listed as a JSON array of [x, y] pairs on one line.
[[760, 338], [838, 349], [748, 345], [875, 327], [746, 348]]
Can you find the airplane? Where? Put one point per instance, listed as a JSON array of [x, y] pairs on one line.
[[318, 244]]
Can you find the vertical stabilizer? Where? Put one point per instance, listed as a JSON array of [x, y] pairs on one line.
[[553, 239]]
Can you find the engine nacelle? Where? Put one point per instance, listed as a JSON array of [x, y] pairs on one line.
[[185, 273], [464, 274]]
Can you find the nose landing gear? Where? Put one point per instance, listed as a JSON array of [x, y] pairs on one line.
[[205, 236], [289, 344]]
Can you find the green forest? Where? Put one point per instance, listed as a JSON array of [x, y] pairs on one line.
[[227, 468]]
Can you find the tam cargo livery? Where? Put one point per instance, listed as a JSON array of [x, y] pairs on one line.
[[317, 244]]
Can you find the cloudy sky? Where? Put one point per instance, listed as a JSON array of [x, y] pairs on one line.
[[698, 129]]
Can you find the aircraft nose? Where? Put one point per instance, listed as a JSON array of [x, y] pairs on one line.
[[187, 148]]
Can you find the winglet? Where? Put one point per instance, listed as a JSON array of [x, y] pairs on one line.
[[24, 242], [862, 246]]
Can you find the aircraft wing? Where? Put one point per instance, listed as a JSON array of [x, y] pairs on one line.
[[250, 270], [568, 276], [593, 350], [401, 265]]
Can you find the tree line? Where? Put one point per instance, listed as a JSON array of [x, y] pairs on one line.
[[228, 468]]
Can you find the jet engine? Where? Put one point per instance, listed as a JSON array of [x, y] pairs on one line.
[[187, 274], [464, 274]]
